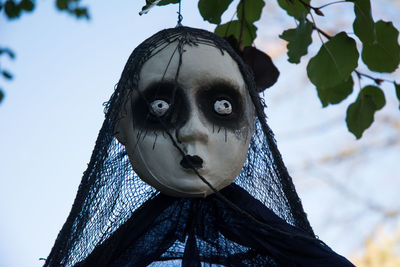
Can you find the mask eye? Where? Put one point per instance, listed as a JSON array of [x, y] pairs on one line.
[[159, 107], [223, 107]]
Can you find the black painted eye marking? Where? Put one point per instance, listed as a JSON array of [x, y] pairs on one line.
[[162, 105], [222, 104]]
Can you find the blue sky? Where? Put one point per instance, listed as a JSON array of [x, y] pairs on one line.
[[66, 69]]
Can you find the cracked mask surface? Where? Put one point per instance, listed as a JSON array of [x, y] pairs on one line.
[[205, 107]]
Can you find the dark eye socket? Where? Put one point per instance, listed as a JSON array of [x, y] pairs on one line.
[[161, 105], [222, 104]]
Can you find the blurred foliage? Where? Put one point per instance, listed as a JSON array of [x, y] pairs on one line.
[[13, 9], [381, 251], [332, 69], [5, 73]]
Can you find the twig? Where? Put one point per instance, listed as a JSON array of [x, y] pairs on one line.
[[378, 81], [318, 29], [316, 9], [331, 3]]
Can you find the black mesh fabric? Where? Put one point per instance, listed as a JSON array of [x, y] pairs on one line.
[[118, 220]]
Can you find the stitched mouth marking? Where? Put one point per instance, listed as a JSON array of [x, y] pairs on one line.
[[188, 161]]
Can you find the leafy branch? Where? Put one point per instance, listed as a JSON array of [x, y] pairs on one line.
[[359, 74], [331, 69]]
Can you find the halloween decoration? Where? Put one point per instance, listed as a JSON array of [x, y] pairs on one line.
[[209, 115], [186, 171]]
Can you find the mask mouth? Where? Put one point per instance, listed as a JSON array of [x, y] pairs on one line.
[[191, 161]]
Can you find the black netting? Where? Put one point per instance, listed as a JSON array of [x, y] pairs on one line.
[[118, 220]]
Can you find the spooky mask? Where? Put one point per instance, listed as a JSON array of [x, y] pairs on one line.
[[181, 112], [193, 97]]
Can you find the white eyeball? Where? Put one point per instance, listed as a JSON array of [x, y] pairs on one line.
[[159, 108], [223, 107]]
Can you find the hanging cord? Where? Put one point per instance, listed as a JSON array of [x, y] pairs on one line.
[[180, 17]]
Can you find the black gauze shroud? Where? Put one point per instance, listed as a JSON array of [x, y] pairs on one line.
[[118, 220]]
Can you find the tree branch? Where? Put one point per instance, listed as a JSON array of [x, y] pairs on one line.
[[316, 9], [331, 3]]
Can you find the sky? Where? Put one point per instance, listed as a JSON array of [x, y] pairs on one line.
[[66, 69]]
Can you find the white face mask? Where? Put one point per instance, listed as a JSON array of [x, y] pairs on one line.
[[210, 117]]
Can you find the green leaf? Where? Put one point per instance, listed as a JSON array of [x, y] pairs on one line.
[[397, 88], [360, 114], [294, 7], [252, 10], [363, 24], [334, 62], [81, 13], [298, 40], [12, 10], [336, 94], [377, 95], [7, 75], [167, 2], [234, 28], [27, 5], [62, 4], [1, 95], [383, 55], [212, 10]]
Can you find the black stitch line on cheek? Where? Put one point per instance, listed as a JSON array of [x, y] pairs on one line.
[[145, 134], [133, 129], [177, 135], [138, 136], [180, 51], [225, 135], [155, 139]]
